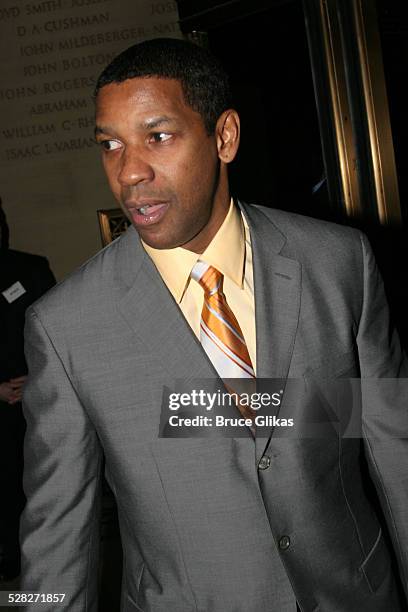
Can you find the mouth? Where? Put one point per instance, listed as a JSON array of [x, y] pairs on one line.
[[144, 213]]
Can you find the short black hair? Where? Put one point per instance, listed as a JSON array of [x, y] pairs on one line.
[[204, 82]]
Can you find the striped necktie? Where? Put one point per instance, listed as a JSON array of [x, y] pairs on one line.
[[220, 333]]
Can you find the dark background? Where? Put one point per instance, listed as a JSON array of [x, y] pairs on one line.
[[264, 47]]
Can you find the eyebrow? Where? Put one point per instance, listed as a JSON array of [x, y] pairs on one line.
[[156, 122], [100, 130], [149, 124]]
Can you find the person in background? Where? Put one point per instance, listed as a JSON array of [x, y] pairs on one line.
[[23, 279]]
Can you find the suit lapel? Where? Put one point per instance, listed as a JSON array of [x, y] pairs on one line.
[[152, 313], [277, 288]]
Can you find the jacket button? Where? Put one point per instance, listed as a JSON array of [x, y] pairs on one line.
[[264, 462], [284, 542]]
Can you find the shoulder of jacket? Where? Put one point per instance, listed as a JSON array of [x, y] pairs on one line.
[[23, 258], [84, 283], [303, 230]]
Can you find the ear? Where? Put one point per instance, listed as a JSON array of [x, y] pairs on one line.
[[227, 133]]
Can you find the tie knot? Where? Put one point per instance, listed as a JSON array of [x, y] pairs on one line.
[[209, 277]]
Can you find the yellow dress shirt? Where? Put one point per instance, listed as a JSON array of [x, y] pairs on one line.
[[230, 252]]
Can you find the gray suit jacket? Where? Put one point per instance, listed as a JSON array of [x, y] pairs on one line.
[[203, 527]]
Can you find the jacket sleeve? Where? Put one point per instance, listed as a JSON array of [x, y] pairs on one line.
[[384, 385], [62, 481]]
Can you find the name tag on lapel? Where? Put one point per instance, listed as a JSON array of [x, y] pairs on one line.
[[13, 292]]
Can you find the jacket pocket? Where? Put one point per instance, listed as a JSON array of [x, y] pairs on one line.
[[335, 365], [377, 564]]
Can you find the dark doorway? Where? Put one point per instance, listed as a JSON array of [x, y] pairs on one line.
[[264, 47], [280, 162]]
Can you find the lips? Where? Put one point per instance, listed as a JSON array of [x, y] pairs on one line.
[[146, 213]]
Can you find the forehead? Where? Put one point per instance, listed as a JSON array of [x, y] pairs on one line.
[[143, 96]]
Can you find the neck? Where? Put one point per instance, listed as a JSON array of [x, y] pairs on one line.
[[222, 199]]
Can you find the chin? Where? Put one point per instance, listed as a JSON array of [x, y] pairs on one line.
[[158, 243]]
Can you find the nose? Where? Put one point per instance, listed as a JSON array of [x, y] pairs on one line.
[[134, 168]]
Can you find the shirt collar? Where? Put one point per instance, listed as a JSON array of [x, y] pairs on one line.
[[226, 252]]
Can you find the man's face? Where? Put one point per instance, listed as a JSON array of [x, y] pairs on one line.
[[161, 164]]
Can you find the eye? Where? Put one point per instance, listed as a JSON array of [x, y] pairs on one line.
[[110, 145], [160, 137]]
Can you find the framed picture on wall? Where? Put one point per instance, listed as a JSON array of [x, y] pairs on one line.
[[112, 223]]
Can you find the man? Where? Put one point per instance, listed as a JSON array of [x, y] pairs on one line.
[[219, 523], [23, 279]]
